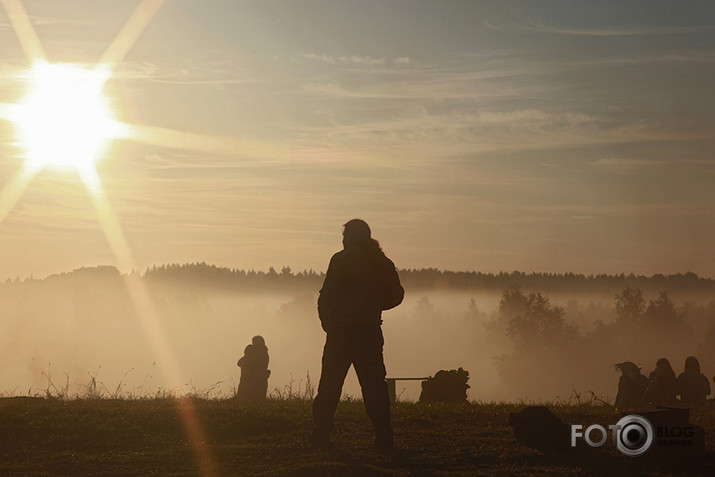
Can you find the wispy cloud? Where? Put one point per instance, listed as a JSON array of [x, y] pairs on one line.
[[216, 72], [418, 132], [424, 82], [628, 166], [527, 25], [40, 21], [696, 57], [356, 60]]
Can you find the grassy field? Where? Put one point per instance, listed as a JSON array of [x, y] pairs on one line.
[[145, 437]]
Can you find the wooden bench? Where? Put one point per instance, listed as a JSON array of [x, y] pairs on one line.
[[391, 387]]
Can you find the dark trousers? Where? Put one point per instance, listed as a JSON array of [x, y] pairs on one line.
[[362, 348]]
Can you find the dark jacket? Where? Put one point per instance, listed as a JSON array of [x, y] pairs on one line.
[[360, 283], [693, 388], [661, 387]]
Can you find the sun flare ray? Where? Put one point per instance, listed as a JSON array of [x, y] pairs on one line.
[[20, 22], [107, 219], [148, 318], [128, 35], [13, 190]]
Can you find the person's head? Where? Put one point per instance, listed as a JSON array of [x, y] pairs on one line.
[[664, 365], [356, 233], [628, 368], [258, 340], [692, 364], [249, 349]]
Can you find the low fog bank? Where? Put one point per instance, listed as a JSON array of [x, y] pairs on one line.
[[517, 343]]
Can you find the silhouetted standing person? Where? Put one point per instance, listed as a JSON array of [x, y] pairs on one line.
[[632, 386], [661, 384], [253, 385], [360, 283], [692, 385]]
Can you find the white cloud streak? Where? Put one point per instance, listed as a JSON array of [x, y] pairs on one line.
[[602, 31], [628, 166], [356, 60]]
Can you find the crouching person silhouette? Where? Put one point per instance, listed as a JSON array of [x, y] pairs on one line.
[[360, 283]]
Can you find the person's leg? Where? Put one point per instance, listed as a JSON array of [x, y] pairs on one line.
[[263, 394], [336, 363], [370, 369], [241, 391]]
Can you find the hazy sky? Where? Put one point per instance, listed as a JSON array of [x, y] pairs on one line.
[[514, 135]]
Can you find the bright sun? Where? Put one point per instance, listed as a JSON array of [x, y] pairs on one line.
[[64, 120]]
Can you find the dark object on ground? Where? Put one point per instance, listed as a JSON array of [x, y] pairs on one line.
[[537, 427], [672, 430], [446, 386]]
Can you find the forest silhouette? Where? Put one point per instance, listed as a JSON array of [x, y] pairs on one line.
[[203, 274]]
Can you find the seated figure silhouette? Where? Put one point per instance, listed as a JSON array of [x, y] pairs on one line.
[[662, 384], [253, 385], [632, 386], [692, 385]]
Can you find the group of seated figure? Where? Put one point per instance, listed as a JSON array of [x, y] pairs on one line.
[[662, 388]]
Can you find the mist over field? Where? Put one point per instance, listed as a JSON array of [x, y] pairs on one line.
[[521, 337]]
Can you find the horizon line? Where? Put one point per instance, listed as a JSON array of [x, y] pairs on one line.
[[295, 272]]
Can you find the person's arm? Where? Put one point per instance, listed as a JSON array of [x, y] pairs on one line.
[[392, 293], [707, 385], [326, 298], [679, 385]]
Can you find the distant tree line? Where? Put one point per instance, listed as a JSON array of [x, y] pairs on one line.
[[213, 276], [205, 275], [430, 278]]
